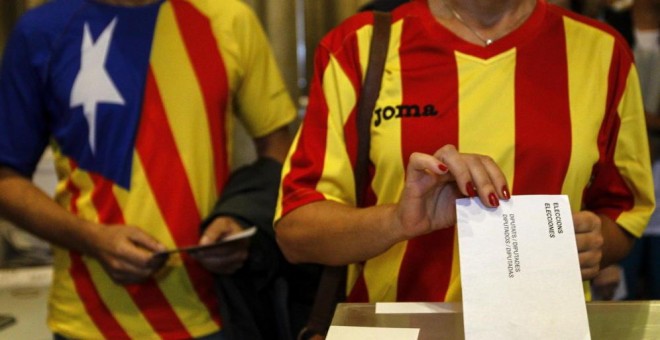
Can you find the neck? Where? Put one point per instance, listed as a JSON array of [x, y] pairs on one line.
[[480, 20]]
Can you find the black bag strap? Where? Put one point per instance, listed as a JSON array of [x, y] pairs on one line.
[[332, 285], [380, 40]]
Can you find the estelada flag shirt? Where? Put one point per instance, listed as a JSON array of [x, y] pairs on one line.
[[556, 103], [139, 106]]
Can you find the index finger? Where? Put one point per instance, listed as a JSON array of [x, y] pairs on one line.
[[475, 174]]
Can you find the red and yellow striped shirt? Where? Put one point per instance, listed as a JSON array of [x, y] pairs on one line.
[[556, 103]]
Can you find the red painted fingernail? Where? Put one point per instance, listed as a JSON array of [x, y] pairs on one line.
[[442, 167], [505, 192], [492, 199], [469, 187]]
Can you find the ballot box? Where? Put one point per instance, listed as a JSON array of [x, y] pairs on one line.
[[618, 320]]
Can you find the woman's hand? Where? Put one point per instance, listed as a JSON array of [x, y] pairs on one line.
[[434, 182], [589, 239]]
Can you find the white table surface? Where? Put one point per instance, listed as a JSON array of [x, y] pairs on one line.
[[24, 295]]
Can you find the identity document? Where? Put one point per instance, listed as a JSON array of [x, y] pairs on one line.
[[520, 270]]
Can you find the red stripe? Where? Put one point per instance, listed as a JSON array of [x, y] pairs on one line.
[[430, 281], [608, 193], [359, 292], [427, 263], [147, 295], [168, 179], [97, 310], [543, 120], [210, 72]]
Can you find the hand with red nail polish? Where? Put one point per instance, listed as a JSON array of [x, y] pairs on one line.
[[429, 197]]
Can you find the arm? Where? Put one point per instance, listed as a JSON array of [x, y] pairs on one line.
[[333, 233], [248, 199], [27, 206], [619, 199], [275, 145], [617, 242], [124, 251]]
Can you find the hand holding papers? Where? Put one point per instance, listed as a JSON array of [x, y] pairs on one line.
[[234, 237], [520, 270]]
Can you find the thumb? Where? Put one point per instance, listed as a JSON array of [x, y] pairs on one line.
[[219, 228], [146, 241]]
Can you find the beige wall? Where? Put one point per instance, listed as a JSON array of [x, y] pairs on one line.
[[292, 24], [294, 28]]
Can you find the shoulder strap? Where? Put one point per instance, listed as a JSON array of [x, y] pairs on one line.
[[332, 285], [380, 40]]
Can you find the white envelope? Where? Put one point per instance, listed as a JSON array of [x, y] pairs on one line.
[[520, 271]]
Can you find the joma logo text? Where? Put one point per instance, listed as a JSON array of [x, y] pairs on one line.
[[403, 111]]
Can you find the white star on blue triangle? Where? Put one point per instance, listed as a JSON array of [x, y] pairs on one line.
[[93, 84]]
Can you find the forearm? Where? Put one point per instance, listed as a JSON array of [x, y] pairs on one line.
[[617, 242], [274, 145], [335, 234], [28, 207]]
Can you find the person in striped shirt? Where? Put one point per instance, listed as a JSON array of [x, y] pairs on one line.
[[138, 100], [487, 98]]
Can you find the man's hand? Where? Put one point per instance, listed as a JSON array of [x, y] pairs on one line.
[[126, 253], [225, 259], [589, 239]]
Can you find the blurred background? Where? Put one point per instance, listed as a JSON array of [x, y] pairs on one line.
[[293, 26]]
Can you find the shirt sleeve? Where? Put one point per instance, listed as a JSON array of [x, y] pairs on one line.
[[263, 101], [23, 122], [622, 184], [321, 160]]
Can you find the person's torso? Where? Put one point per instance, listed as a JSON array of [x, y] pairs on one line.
[[536, 101], [138, 104]]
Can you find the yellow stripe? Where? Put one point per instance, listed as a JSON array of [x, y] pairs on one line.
[[335, 182], [485, 126], [631, 157], [488, 126], [587, 79], [182, 95], [381, 272]]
